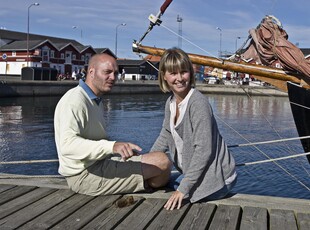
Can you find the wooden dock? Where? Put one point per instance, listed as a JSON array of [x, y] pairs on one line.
[[42, 204]]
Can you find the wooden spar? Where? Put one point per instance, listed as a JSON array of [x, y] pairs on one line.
[[274, 76]]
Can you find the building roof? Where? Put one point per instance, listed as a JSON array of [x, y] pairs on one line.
[[20, 36], [18, 41], [104, 50], [20, 45], [100, 50], [130, 62]]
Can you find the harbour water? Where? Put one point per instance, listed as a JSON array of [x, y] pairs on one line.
[[26, 133]]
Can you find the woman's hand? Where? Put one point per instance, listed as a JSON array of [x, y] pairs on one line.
[[174, 201]]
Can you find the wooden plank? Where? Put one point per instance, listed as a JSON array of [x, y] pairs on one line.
[[47, 182], [4, 187], [58, 212], [24, 200], [35, 209], [269, 202], [87, 212], [113, 216], [282, 219], [169, 219], [198, 217], [14, 192], [303, 221], [143, 214], [254, 219], [226, 217]]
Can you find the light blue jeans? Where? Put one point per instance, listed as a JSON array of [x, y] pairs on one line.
[[176, 178]]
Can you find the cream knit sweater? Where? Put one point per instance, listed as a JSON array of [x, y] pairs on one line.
[[80, 133]]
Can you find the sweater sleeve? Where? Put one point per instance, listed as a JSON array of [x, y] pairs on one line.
[[161, 143]]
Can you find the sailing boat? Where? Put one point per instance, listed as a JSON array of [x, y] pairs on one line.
[[267, 43]]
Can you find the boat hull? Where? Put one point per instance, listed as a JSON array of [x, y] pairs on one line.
[[300, 105]]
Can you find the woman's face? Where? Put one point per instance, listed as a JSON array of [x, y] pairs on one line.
[[178, 82]]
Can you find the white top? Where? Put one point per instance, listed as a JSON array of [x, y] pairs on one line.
[[177, 139]]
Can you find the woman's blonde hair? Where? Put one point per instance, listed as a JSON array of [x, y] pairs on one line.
[[174, 60]]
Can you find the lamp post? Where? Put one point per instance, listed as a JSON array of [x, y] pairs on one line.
[[76, 27], [179, 20], [33, 4], [237, 42], [122, 24], [220, 52]]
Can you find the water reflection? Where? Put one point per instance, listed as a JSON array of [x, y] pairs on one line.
[[26, 132]]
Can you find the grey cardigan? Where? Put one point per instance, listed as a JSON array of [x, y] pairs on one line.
[[206, 161]]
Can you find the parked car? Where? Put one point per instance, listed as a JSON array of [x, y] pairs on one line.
[[211, 80]]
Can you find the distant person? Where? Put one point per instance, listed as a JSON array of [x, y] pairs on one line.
[[91, 163], [59, 76], [83, 74], [123, 75], [73, 75], [191, 136]]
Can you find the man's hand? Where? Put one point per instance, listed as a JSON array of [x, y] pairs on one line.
[[125, 149], [174, 201]]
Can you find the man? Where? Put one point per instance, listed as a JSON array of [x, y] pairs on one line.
[[92, 164]]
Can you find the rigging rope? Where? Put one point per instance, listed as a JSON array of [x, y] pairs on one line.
[[269, 142], [288, 147], [229, 146], [275, 159], [305, 107], [287, 172], [190, 42], [151, 64]]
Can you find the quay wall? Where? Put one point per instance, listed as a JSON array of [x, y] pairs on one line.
[[58, 88], [19, 88]]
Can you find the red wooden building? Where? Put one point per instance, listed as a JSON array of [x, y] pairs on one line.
[[65, 55]]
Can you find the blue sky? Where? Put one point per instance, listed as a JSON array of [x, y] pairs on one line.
[[98, 21]]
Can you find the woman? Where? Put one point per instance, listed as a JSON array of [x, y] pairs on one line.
[[191, 136]]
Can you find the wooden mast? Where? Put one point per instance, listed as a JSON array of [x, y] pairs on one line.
[[273, 76]]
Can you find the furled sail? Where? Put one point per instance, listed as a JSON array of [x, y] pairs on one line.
[[269, 43]]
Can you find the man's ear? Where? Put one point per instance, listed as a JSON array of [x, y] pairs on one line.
[[91, 72]]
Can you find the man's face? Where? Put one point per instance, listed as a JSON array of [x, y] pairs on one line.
[[103, 75]]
